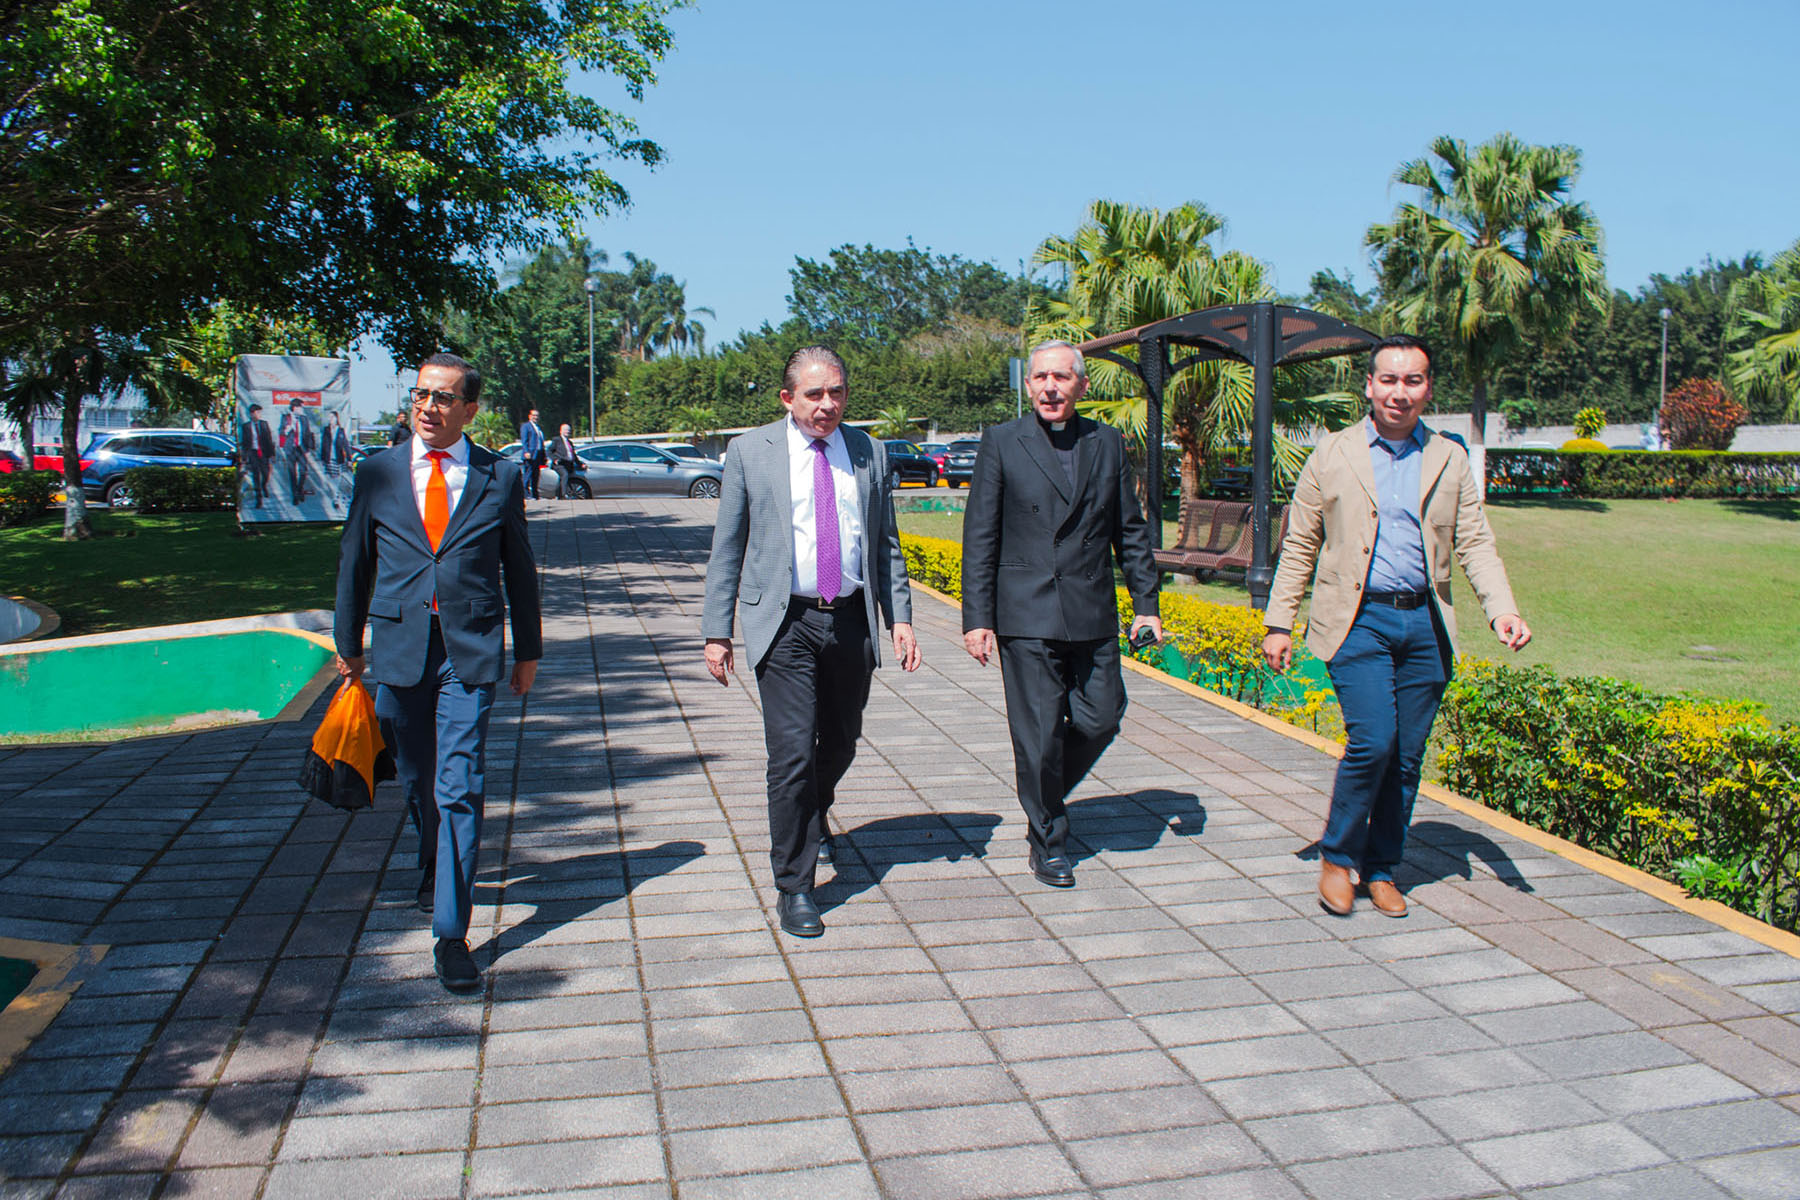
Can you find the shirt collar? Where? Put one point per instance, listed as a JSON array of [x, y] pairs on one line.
[[799, 437], [1416, 437], [459, 453]]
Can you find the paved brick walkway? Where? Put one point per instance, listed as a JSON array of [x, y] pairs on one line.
[[1184, 1023]]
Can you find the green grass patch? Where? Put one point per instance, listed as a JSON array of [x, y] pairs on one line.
[[1691, 595], [167, 569]]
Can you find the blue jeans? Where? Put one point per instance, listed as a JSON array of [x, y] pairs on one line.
[[1389, 675], [438, 729]]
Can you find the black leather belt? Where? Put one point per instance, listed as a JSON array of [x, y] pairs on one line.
[[799, 601], [1397, 599]]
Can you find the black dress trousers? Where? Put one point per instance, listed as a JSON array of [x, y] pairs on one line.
[[1064, 704], [814, 684]]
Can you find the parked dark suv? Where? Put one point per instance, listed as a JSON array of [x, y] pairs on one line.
[[907, 462], [110, 455], [959, 464]]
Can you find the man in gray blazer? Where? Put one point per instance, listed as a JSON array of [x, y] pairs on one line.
[[1052, 504], [807, 549]]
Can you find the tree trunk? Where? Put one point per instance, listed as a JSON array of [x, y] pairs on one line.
[[75, 517], [1478, 434]]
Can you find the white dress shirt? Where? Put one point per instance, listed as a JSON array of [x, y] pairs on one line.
[[456, 470], [850, 531]]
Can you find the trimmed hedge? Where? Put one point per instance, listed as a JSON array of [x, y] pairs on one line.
[[24, 495], [183, 489], [1642, 474], [1702, 792]]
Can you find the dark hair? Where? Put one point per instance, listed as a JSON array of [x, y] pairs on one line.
[[1401, 341], [471, 377], [790, 374], [256, 408]]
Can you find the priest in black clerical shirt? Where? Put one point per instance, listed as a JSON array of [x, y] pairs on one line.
[[1051, 506]]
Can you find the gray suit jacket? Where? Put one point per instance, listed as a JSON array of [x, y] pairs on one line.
[[752, 565]]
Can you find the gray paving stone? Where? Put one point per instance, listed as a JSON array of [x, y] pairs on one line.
[[1343, 1132], [1297, 1092], [1720, 1128], [1676, 1182], [751, 1149], [1429, 1173], [412, 1177], [568, 1166], [1561, 1155], [959, 1127], [733, 1103], [1497, 1111], [978, 1174], [1166, 1154]]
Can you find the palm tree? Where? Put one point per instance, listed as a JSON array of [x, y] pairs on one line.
[[491, 428], [1127, 266], [1766, 307], [896, 422], [695, 421], [1492, 250], [677, 327]]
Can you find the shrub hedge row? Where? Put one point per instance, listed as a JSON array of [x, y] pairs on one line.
[[1641, 474], [183, 489], [1702, 792], [24, 495]]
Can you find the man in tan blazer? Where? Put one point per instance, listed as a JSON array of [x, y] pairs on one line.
[[1380, 510]]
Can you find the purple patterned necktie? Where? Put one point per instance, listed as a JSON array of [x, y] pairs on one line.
[[831, 572]]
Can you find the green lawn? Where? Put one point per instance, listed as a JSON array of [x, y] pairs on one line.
[[1697, 595], [165, 570]]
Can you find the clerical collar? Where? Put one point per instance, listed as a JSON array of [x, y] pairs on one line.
[[1058, 426]]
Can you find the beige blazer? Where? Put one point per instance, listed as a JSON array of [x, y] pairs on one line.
[[1332, 528]]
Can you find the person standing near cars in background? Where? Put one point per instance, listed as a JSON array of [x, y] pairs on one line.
[[1381, 510], [531, 452], [562, 457]]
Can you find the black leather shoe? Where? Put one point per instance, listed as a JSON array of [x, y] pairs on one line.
[[428, 890], [799, 915], [456, 968], [825, 849], [1054, 870]]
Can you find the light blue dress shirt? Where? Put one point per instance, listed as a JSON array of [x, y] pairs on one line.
[[1398, 561]]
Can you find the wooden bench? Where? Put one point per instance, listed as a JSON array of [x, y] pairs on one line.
[[1215, 535]]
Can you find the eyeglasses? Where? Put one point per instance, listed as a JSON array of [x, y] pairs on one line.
[[426, 398]]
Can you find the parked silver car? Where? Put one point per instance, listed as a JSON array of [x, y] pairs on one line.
[[634, 469]]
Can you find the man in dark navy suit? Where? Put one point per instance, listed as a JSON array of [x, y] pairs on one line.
[[434, 540]]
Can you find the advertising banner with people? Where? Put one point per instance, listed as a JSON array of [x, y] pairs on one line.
[[293, 438]]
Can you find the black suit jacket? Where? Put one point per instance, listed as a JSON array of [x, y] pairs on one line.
[[388, 573], [1038, 554]]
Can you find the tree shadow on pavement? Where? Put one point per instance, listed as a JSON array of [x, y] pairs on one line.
[[1132, 821], [570, 889], [867, 853]]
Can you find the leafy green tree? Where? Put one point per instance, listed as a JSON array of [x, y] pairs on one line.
[[1765, 312], [880, 297], [491, 428], [357, 166], [1491, 252], [531, 342]]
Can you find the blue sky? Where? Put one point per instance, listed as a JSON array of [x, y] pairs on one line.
[[794, 126]]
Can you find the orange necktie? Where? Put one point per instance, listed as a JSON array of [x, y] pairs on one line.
[[437, 499]]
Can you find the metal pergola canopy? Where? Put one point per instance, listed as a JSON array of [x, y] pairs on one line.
[[1263, 336]]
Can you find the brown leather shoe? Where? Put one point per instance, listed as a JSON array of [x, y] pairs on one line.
[[1386, 898], [1337, 895]]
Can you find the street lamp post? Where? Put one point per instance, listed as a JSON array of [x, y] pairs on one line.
[[1662, 387], [590, 286]]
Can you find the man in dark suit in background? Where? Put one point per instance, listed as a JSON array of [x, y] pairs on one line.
[[531, 452], [256, 450], [562, 457], [806, 548], [1051, 504], [436, 533]]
